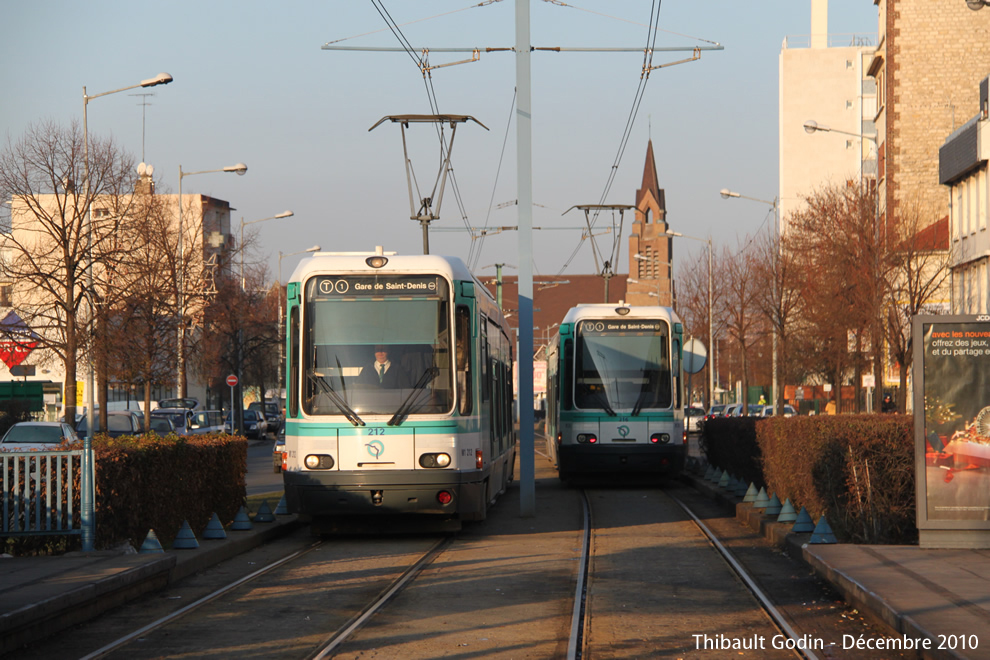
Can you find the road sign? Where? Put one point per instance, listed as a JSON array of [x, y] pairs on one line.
[[695, 356], [232, 380]]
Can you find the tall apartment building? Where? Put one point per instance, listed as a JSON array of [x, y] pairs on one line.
[[932, 55], [824, 78]]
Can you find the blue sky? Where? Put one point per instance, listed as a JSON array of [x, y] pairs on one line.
[[252, 85]]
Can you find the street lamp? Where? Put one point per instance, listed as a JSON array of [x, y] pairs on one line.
[[240, 169], [281, 337], [283, 214], [711, 259], [728, 194], [88, 523]]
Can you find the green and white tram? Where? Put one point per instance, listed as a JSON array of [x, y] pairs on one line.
[[613, 391], [436, 439]]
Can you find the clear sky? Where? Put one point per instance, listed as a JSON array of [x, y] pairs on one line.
[[252, 84]]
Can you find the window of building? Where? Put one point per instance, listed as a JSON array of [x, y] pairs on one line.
[[5, 291]]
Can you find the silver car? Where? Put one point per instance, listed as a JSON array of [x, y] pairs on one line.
[[40, 436]]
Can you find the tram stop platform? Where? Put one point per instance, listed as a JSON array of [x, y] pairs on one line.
[[921, 593]]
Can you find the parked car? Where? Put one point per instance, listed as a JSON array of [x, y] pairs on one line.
[[767, 411], [273, 414], [161, 425], [255, 425], [715, 410], [119, 422], [179, 402], [189, 422], [277, 449], [42, 436], [693, 417]]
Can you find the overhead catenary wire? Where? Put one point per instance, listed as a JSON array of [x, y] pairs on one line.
[[627, 131], [474, 254]]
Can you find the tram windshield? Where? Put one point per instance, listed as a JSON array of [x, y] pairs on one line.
[[377, 345], [623, 365]]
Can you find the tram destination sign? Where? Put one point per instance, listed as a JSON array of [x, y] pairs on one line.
[[350, 286], [609, 326]]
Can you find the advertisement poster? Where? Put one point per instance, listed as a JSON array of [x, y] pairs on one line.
[[956, 369]]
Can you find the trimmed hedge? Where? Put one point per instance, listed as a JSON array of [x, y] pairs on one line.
[[154, 482], [856, 470]]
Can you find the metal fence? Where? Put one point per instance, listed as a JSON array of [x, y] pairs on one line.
[[41, 492]]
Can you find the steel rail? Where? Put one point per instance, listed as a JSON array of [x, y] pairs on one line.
[[575, 644], [341, 636], [99, 653], [768, 606]]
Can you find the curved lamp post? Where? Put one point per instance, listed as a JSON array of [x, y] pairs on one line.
[[775, 205], [240, 246], [87, 513], [240, 169], [711, 371]]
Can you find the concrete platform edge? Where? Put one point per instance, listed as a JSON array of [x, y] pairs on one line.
[[38, 620]]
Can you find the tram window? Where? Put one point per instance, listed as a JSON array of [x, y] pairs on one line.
[[567, 369], [294, 362], [465, 394]]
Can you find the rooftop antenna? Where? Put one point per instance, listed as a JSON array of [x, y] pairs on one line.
[[144, 104], [426, 213]]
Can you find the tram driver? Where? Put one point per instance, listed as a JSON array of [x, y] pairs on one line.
[[383, 373]]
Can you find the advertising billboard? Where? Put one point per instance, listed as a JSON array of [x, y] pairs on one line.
[[952, 429]]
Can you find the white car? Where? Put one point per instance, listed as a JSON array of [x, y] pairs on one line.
[[38, 436], [693, 418], [767, 411]]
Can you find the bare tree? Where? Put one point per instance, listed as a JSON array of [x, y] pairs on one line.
[[921, 258], [739, 308], [844, 270], [779, 297], [50, 242]]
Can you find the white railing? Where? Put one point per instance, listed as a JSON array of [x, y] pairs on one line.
[[41, 492]]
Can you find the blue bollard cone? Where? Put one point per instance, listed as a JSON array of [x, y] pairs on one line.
[[803, 524], [761, 500], [264, 513], [282, 509], [242, 521], [214, 530], [151, 544], [185, 539], [823, 533], [723, 480], [787, 512], [750, 493], [773, 506]]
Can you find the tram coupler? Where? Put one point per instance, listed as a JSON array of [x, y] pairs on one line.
[[376, 497]]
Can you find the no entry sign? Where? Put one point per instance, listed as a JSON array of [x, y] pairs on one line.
[[232, 380]]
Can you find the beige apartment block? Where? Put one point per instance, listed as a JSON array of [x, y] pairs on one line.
[[823, 78], [207, 241]]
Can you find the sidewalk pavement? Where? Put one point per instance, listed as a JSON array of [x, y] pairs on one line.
[[42, 595], [939, 595]]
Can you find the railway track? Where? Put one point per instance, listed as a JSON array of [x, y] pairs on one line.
[[580, 620], [613, 572]]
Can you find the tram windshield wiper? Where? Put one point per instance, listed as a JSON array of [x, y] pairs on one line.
[[644, 391], [407, 405], [325, 387], [603, 400]]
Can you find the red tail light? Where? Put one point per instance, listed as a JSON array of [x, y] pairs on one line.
[[444, 497], [479, 459]]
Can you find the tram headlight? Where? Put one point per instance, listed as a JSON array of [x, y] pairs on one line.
[[661, 438], [587, 437], [440, 460], [318, 462], [376, 262]]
